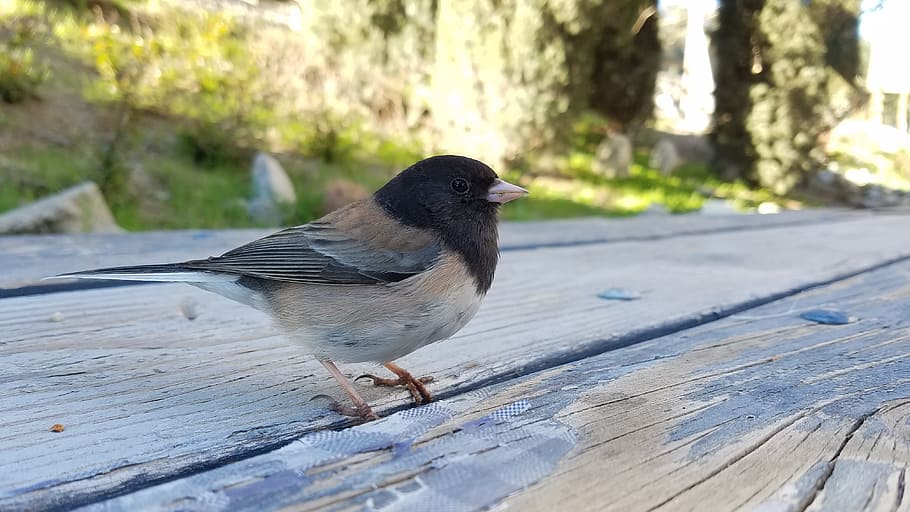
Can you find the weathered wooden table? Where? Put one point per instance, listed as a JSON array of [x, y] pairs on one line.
[[709, 391]]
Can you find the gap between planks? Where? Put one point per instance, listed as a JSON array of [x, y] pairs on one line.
[[515, 237]]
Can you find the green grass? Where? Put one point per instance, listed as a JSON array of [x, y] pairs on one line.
[[195, 198], [541, 208], [190, 197], [173, 191], [184, 194], [34, 173], [575, 190]]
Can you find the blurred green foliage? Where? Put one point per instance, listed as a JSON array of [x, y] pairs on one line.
[[578, 190], [788, 71], [192, 67], [789, 102], [176, 101], [733, 43], [21, 72], [497, 79]]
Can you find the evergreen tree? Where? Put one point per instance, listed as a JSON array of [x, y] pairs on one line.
[[735, 73], [499, 79], [783, 67]]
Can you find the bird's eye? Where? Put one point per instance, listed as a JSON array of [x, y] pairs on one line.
[[460, 185]]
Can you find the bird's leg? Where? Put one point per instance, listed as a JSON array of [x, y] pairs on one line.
[[415, 386], [361, 409]]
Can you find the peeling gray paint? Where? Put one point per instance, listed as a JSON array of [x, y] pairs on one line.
[[483, 461], [847, 365]]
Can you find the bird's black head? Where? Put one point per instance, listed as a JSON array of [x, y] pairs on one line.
[[458, 198]]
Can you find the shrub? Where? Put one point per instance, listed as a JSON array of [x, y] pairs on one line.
[[193, 67], [21, 74], [784, 77]]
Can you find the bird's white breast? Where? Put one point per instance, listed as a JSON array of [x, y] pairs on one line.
[[379, 323]]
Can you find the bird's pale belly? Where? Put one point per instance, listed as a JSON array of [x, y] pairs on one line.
[[393, 321]]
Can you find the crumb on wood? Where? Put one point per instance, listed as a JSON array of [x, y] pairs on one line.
[[188, 308], [57, 427]]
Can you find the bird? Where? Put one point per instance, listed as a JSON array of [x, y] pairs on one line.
[[371, 281]]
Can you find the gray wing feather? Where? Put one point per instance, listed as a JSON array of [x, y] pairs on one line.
[[317, 253]]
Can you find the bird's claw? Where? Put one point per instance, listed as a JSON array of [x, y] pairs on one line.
[[415, 386], [381, 381], [384, 382], [365, 412]]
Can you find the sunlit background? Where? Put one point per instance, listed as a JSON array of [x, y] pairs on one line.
[[236, 113]]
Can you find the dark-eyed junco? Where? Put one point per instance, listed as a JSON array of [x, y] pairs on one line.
[[372, 281]]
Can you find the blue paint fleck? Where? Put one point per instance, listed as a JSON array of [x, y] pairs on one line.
[[401, 448], [619, 294], [827, 317]]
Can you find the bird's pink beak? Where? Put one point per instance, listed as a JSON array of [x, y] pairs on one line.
[[503, 192]]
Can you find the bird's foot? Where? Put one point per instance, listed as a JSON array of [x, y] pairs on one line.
[[363, 411], [391, 383], [419, 392]]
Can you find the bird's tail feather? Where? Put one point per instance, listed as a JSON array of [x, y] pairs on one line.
[[172, 272]]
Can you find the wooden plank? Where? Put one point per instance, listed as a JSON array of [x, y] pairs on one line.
[[156, 394], [38, 256], [870, 472], [35, 257], [759, 411]]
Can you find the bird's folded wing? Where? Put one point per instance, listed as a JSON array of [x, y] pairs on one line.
[[343, 248]]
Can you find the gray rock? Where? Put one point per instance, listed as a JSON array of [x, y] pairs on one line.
[[613, 157], [273, 191], [834, 187], [826, 178], [79, 209], [718, 207], [877, 196], [673, 150], [664, 157]]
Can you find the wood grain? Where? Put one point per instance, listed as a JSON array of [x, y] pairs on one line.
[[764, 411], [870, 471], [34, 257], [756, 414], [145, 393]]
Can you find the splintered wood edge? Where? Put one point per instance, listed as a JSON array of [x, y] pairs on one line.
[[718, 416]]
